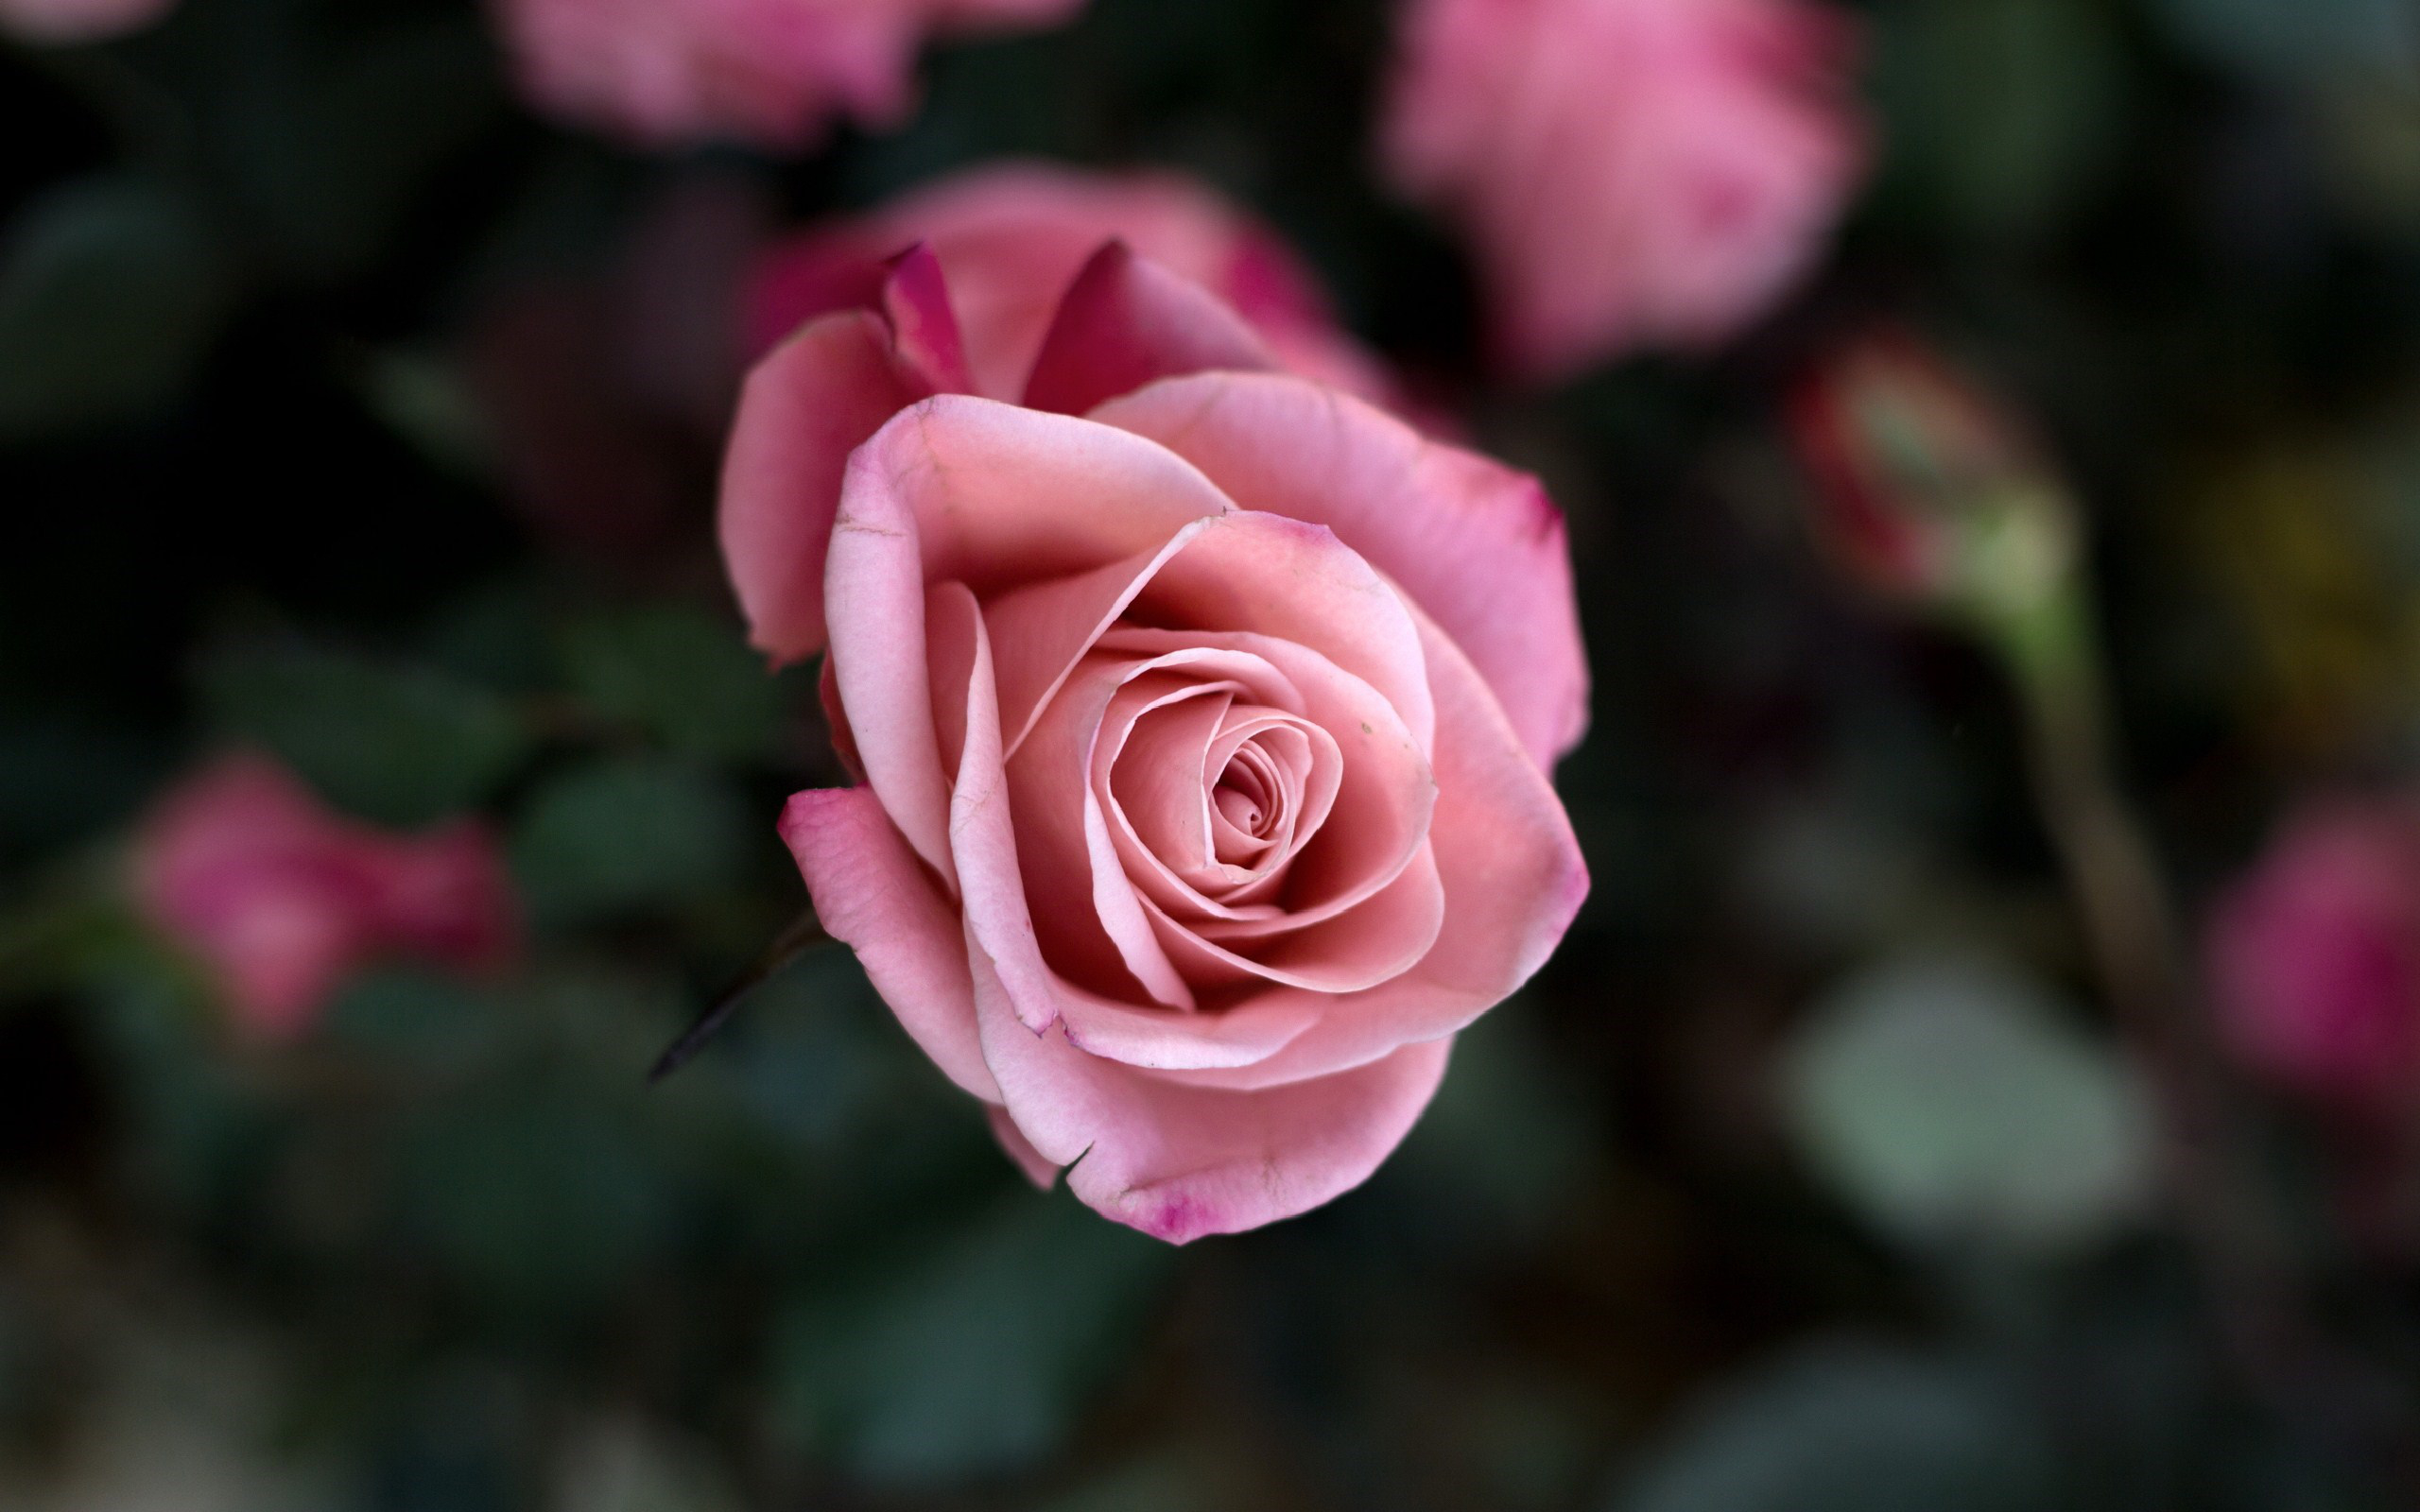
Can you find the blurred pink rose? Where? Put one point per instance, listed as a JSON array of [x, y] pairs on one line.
[[1203, 714], [1011, 237], [770, 71], [2314, 959], [74, 21], [283, 900], [1632, 173]]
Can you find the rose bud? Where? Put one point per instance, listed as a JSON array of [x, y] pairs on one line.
[[2314, 959], [283, 900], [773, 73], [1203, 714], [62, 21], [1630, 173], [1925, 488], [1011, 236]]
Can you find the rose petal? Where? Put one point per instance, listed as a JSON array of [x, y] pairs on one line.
[[951, 489], [1256, 574], [1178, 1161], [1041, 629], [1378, 939], [1038, 1170], [1126, 321], [1384, 792], [1476, 545], [1513, 879], [923, 329], [872, 896], [984, 840], [1160, 1038], [803, 409]]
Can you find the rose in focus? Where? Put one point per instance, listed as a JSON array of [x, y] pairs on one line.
[[1011, 238], [283, 900], [1203, 714], [2314, 959], [769, 72], [1631, 173]]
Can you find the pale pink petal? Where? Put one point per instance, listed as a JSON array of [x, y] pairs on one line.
[[983, 842], [1157, 1037], [872, 895], [1513, 876], [1375, 940], [1126, 321], [1041, 1171], [1378, 815], [954, 488], [1290, 582], [1178, 1161], [1476, 545], [803, 409], [1042, 630], [1061, 836]]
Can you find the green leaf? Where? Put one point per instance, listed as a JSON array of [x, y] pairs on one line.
[[1949, 1101], [684, 675], [975, 1357], [394, 742], [1843, 1428], [626, 835], [111, 291]]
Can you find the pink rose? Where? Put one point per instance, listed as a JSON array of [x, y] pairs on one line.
[[2314, 959], [771, 72], [74, 21], [1632, 173], [1202, 714], [1011, 236], [283, 900]]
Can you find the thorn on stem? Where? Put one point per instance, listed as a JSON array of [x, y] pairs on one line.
[[803, 934]]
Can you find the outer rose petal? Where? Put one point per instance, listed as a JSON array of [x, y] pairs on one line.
[[956, 488], [1013, 236], [1178, 1161], [872, 896], [804, 409], [1040, 1172], [1124, 322], [1476, 544]]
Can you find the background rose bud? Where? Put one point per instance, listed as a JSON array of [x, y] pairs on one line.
[[285, 900], [73, 20], [1011, 237], [1925, 488], [1630, 173], [2314, 959], [773, 72]]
